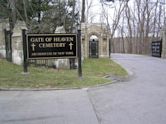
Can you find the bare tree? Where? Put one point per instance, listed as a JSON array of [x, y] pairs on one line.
[[83, 11], [116, 17], [25, 11], [12, 16], [118, 10], [89, 17], [129, 26], [137, 22]]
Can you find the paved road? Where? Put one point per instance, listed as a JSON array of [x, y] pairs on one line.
[[46, 107], [142, 100]]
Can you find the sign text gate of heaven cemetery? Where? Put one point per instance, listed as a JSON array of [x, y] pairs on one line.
[[51, 46]]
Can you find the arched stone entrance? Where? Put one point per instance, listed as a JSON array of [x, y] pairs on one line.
[[93, 47]]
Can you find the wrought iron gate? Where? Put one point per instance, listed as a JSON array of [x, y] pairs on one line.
[[93, 49], [156, 47], [8, 45]]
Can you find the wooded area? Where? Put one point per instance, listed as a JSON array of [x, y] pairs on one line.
[[133, 22], [40, 16]]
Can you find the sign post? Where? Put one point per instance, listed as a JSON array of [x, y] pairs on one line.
[[79, 54], [25, 61]]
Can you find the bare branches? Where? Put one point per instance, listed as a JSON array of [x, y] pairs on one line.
[[89, 4], [83, 11], [107, 2], [136, 20], [117, 14]]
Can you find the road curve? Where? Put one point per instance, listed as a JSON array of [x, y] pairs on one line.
[[142, 100]]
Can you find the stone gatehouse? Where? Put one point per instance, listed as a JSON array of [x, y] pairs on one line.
[[95, 40]]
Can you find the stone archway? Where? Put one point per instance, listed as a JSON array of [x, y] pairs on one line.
[[93, 47]]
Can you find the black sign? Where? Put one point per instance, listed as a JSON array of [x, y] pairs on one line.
[[51, 46], [156, 48]]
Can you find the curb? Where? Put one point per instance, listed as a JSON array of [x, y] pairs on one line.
[[37, 89], [114, 79]]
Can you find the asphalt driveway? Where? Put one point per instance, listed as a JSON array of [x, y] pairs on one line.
[[140, 100]]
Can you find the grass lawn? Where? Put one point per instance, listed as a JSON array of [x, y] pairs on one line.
[[93, 72]]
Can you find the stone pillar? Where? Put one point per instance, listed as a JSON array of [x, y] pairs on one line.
[[17, 47], [3, 25], [163, 35]]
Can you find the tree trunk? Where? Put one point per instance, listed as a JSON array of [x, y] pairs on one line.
[[83, 12]]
